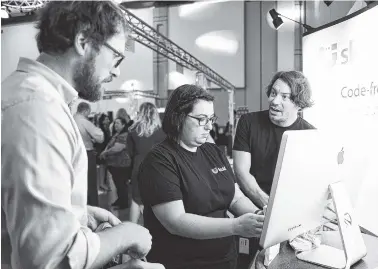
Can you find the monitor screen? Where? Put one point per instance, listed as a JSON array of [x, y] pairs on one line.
[[308, 162]]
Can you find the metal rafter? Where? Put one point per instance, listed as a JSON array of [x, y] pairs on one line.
[[24, 5], [149, 37]]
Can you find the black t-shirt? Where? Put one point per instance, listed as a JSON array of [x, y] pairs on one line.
[[139, 146], [204, 181], [257, 135]]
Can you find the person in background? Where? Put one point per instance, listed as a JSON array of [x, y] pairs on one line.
[[121, 113], [222, 140], [145, 133], [130, 122], [258, 135], [104, 125], [90, 135], [215, 132], [118, 161], [187, 186], [47, 222], [228, 133]]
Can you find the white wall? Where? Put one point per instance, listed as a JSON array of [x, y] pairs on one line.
[[137, 65], [214, 17]]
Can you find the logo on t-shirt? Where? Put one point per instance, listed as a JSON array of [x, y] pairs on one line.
[[216, 170]]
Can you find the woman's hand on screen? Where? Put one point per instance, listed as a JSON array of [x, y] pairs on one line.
[[249, 225]]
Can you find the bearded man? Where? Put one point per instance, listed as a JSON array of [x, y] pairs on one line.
[[44, 161]]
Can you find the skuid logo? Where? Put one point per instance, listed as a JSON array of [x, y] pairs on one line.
[[216, 170], [338, 53]]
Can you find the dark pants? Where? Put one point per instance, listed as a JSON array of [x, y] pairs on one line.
[[120, 176], [92, 179]]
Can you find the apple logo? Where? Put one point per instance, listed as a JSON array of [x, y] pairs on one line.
[[340, 156]]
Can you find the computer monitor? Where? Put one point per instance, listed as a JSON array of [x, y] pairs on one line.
[[308, 162]]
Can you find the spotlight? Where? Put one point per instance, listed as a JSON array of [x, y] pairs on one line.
[[277, 21], [328, 3]]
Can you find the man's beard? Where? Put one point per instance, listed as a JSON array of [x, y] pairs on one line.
[[87, 84]]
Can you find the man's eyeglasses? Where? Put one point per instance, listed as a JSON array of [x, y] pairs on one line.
[[202, 121], [119, 54]]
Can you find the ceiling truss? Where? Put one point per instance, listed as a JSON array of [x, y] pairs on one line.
[[149, 37]]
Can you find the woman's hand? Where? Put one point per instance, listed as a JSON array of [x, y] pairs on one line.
[[249, 225]]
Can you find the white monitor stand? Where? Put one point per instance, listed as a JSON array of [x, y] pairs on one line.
[[353, 244]]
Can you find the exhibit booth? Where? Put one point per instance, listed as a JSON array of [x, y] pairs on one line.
[[339, 59]]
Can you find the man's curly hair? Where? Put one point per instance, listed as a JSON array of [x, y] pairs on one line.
[[299, 85]]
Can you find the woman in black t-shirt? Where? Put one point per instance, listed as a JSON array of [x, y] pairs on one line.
[[187, 186]]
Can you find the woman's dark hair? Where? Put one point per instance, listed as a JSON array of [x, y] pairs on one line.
[[180, 104], [123, 121], [60, 21], [299, 85], [101, 120]]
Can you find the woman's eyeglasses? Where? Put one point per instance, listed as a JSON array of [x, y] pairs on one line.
[[202, 121]]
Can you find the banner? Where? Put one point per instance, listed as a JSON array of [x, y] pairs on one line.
[[340, 62]]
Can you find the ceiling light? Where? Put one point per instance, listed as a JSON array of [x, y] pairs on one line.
[[131, 85], [192, 9], [121, 100], [177, 79], [4, 13], [218, 41], [188, 10]]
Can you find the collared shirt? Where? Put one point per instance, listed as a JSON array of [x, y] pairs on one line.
[[89, 132], [43, 172]]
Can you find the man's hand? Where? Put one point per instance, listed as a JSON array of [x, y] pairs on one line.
[[97, 215], [138, 264], [139, 238]]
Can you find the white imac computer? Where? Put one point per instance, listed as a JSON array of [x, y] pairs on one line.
[[312, 168]]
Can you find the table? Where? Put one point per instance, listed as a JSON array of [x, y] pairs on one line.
[[286, 259]]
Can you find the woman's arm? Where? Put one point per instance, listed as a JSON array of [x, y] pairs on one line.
[[173, 217], [117, 147], [241, 204]]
